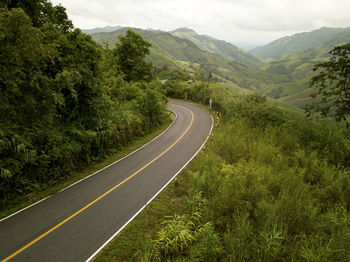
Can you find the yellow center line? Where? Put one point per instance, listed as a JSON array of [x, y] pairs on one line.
[[104, 194]]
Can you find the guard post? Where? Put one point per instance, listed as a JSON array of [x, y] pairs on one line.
[[218, 115]]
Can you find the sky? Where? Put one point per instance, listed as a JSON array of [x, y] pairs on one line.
[[245, 23]]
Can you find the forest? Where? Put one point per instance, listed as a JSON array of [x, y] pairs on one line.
[[66, 101]]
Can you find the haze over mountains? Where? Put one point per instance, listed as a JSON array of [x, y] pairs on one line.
[[281, 69]]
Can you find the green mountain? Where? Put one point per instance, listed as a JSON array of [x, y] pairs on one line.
[[218, 47], [295, 57], [323, 38], [285, 79], [105, 29], [176, 52], [298, 69], [166, 48]]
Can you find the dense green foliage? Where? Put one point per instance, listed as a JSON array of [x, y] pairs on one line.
[[270, 186], [63, 102], [333, 84], [130, 52], [41, 12], [164, 72]]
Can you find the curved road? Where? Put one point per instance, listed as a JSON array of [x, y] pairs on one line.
[[75, 223]]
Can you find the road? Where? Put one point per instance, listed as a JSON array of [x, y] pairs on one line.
[[75, 223]]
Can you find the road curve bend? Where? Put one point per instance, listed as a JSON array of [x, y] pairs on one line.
[[74, 224]]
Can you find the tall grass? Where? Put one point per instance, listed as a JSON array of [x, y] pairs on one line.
[[271, 186]]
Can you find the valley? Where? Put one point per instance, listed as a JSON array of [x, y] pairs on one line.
[[280, 70]]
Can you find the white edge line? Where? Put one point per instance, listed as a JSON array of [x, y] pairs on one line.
[[19, 211], [149, 201], [41, 200]]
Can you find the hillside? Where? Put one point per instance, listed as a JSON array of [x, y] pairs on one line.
[[287, 77], [165, 47], [298, 70], [323, 38], [175, 52], [299, 99], [218, 47], [312, 48]]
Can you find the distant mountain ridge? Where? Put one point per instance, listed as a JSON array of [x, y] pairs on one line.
[[294, 57], [219, 47], [285, 78], [181, 53], [105, 29], [204, 42], [323, 38]]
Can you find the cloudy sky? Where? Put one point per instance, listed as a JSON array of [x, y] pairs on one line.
[[245, 23]]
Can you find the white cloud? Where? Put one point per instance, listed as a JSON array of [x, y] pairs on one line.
[[237, 21]]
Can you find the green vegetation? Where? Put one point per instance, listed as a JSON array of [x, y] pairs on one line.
[[333, 84], [179, 53], [270, 186], [285, 79], [130, 53], [114, 155], [64, 101], [299, 99], [294, 58], [219, 47], [323, 38], [297, 70]]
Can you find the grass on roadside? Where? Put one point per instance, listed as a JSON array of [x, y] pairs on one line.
[[269, 187], [133, 240]]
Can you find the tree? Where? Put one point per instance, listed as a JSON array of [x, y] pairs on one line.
[[41, 12], [24, 93], [333, 85], [130, 53]]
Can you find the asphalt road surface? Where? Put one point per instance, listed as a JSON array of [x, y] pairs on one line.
[[75, 223]]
